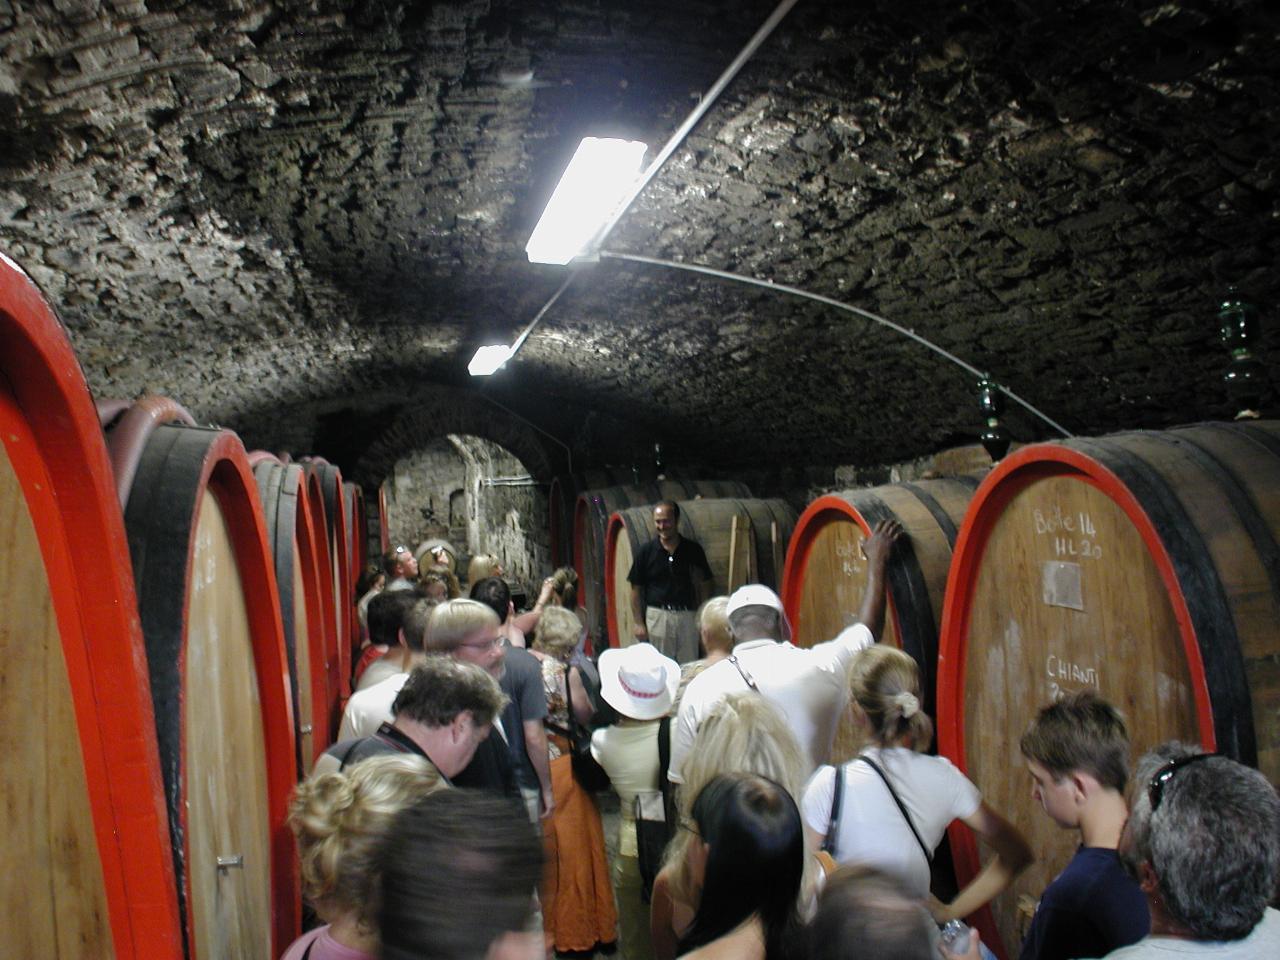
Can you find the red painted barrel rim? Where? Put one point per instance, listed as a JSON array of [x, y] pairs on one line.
[[62, 439], [226, 474], [615, 526], [808, 525], [1012, 475], [320, 537]]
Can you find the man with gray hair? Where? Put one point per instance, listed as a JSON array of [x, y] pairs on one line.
[[1203, 842], [810, 686]]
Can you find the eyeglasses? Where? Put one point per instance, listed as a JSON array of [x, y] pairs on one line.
[[484, 644], [1155, 789]]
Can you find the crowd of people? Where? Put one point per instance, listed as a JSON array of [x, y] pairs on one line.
[[458, 814]]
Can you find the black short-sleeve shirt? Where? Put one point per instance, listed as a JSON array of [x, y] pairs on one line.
[[668, 579]]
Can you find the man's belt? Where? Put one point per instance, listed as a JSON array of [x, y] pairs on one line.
[[672, 607]]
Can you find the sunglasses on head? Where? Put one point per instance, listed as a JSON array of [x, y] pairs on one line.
[[1155, 789], [400, 550]]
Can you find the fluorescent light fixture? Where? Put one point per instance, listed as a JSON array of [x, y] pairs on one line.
[[594, 183], [489, 360]]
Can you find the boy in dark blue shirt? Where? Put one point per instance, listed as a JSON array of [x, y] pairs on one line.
[[1077, 753]]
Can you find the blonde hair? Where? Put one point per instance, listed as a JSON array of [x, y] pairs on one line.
[[885, 683], [558, 632], [743, 733], [564, 587], [453, 621], [446, 574], [713, 625], [340, 820], [482, 565]]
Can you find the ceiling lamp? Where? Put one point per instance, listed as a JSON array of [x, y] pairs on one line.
[[489, 360], [596, 181]]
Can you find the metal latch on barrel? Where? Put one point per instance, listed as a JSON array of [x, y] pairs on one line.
[[226, 863]]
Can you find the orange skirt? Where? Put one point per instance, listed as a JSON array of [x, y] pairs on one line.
[[577, 897]]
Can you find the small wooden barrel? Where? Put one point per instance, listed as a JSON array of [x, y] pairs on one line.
[[282, 489], [744, 540], [1144, 565], [825, 577], [590, 529], [335, 518], [88, 868], [220, 689]]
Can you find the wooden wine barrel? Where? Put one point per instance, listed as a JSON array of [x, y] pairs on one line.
[[335, 518], [282, 489], [88, 869], [1144, 565], [823, 584], [220, 689], [590, 527], [357, 550], [562, 495], [755, 556]]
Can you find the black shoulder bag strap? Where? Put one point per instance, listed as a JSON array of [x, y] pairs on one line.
[[928, 854], [837, 797], [664, 763], [750, 680]]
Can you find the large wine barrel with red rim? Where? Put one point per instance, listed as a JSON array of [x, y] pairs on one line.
[[282, 489], [764, 528], [825, 577], [335, 518], [592, 511], [562, 494], [220, 689], [88, 869], [358, 546], [1144, 565]]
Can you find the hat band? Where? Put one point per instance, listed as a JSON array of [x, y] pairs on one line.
[[638, 693]]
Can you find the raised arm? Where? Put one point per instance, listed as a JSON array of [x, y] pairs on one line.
[[877, 549]]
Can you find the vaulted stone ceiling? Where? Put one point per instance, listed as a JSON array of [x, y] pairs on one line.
[[300, 219]]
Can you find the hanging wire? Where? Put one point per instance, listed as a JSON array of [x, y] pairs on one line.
[[839, 305]]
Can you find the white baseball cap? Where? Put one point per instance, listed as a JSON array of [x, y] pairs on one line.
[[758, 595]]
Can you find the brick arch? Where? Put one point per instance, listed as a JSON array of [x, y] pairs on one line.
[[437, 412]]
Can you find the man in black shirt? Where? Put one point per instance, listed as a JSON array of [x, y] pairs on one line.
[[669, 578]]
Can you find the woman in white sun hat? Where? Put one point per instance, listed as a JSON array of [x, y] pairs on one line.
[[640, 683]]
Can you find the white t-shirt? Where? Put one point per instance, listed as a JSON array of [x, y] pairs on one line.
[[1262, 942], [370, 708], [629, 754], [872, 830], [810, 686], [385, 667]]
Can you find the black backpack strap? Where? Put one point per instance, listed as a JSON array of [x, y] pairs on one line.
[[928, 854], [664, 762], [837, 804]]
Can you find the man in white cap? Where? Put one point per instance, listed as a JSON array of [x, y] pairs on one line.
[[810, 686]]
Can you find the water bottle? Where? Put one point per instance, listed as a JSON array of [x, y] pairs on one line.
[[955, 936]]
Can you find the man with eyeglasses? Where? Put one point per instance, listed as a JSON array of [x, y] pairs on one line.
[[401, 567], [468, 631]]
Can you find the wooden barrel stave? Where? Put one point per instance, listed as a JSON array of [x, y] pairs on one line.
[[328, 599], [1166, 600], [219, 676]]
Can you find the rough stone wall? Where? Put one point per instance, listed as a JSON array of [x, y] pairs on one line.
[[510, 521]]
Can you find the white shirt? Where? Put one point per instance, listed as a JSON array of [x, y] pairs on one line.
[[370, 708], [629, 754], [810, 686], [872, 830], [384, 668], [1262, 943]]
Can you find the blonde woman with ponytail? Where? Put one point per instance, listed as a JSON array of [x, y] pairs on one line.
[[341, 822], [896, 802]]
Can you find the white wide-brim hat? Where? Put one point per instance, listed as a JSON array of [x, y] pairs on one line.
[[638, 681], [758, 595]]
